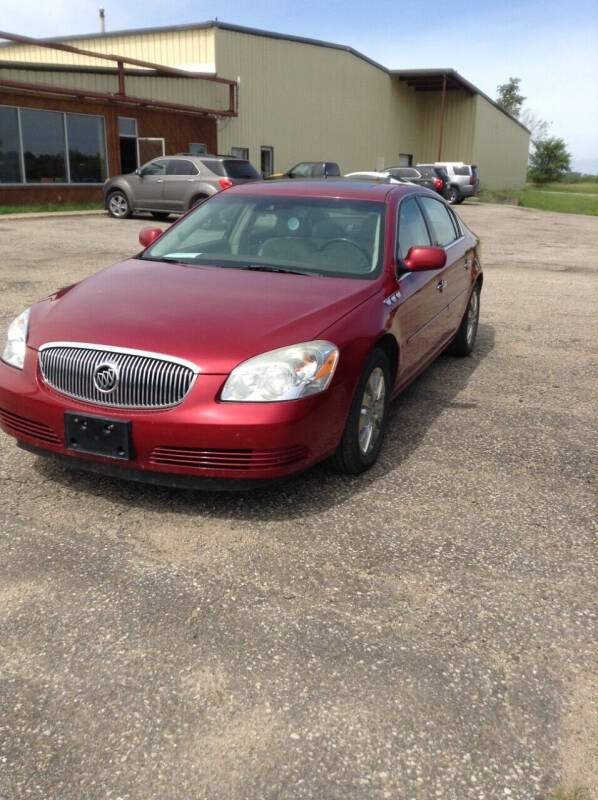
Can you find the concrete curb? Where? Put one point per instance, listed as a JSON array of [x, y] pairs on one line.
[[45, 214]]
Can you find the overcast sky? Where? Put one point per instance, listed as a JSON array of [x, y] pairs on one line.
[[552, 46]]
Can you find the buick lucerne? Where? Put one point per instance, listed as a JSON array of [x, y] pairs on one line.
[[265, 331]]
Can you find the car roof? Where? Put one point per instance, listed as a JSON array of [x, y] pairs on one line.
[[339, 188]]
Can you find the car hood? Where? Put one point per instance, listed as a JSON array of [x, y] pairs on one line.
[[214, 317]]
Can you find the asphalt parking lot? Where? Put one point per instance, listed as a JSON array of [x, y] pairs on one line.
[[425, 631]]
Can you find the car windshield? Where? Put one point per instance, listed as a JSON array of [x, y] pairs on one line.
[[312, 235]]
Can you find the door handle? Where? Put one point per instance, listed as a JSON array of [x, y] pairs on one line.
[[160, 180], [441, 285]]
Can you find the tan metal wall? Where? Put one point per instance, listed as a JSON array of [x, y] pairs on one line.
[[500, 148], [187, 48], [310, 103], [186, 91], [457, 139]]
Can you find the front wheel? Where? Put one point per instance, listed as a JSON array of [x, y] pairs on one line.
[[368, 415], [118, 205], [464, 341]]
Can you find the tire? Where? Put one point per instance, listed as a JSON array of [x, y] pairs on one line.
[[454, 196], [359, 450], [118, 205], [160, 215], [464, 341], [199, 199]]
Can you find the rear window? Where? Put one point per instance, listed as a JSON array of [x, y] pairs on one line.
[[333, 170], [214, 166], [240, 169], [427, 172], [404, 172], [461, 170]]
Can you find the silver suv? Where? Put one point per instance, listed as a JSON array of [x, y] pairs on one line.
[[464, 180], [174, 184]]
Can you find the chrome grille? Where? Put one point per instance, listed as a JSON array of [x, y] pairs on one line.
[[144, 380]]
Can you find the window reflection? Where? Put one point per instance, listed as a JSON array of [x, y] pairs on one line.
[[87, 148], [43, 146]]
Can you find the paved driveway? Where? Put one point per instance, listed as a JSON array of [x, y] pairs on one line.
[[427, 630]]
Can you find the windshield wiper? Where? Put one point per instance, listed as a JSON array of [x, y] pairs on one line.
[[268, 268]]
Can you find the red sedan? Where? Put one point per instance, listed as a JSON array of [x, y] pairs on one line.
[[265, 331]]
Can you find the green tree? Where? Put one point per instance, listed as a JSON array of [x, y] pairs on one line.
[[549, 161], [509, 98]]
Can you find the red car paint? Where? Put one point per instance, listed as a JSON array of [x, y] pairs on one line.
[[216, 318]]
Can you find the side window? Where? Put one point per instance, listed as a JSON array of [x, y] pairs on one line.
[[180, 167], [412, 227], [443, 227], [333, 170], [155, 168]]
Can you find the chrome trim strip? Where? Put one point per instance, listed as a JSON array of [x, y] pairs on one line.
[[125, 350]]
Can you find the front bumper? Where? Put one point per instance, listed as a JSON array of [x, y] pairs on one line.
[[200, 438]]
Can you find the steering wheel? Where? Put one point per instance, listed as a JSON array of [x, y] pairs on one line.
[[343, 240]]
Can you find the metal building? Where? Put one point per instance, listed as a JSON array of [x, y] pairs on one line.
[[77, 109]]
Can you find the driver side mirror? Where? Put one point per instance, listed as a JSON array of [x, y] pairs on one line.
[[422, 258], [138, 172], [148, 236]]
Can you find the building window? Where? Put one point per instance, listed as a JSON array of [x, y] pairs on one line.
[[10, 149], [405, 159], [198, 148], [87, 148], [240, 152], [267, 160], [44, 146], [51, 147], [127, 126]]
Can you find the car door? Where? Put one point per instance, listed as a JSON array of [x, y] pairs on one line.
[[418, 324], [180, 176], [446, 232], [150, 189]]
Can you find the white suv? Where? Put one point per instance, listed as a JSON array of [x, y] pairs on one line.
[[464, 180]]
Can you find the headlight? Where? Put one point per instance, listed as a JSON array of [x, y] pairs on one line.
[[16, 340], [284, 374]]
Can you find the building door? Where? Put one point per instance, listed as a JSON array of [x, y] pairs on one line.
[[127, 133], [267, 160], [405, 159], [149, 147]]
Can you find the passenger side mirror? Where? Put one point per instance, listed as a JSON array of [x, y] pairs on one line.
[[422, 258], [148, 236], [139, 172]]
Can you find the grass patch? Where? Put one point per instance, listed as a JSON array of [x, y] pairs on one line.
[[576, 188], [43, 207], [572, 793], [530, 197]]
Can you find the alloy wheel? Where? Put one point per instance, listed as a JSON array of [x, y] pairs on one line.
[[371, 414]]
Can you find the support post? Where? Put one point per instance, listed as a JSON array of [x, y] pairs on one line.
[[442, 108], [121, 79]]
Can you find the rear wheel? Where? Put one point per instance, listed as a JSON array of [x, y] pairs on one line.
[[464, 341], [197, 200], [366, 422], [454, 196], [160, 215], [118, 205]]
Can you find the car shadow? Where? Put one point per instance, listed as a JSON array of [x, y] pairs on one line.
[[411, 416]]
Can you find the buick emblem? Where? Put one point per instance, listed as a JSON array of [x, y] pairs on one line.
[[106, 377]]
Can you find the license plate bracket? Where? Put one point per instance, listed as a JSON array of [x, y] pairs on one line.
[[98, 436]]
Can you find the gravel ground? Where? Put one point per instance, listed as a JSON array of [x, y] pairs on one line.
[[425, 631]]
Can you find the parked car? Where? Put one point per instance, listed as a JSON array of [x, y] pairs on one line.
[[265, 331], [311, 169], [463, 179], [433, 178], [174, 184], [376, 177]]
